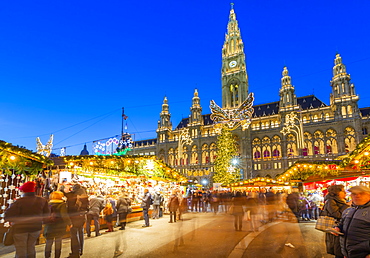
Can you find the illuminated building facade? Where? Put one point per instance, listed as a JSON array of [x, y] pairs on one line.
[[281, 132]]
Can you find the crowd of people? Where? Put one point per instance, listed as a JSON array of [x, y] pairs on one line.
[[71, 209]]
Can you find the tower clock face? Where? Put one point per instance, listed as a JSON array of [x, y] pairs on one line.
[[232, 64]]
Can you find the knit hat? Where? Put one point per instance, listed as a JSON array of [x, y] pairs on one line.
[[28, 187], [56, 195]]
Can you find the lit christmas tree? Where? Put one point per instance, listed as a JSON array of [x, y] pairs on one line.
[[225, 171]]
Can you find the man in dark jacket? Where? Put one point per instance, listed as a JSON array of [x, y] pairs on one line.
[[77, 205], [26, 216], [355, 224], [145, 204], [96, 205]]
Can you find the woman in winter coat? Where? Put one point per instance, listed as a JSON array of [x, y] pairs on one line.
[[122, 207], [109, 213], [55, 227], [334, 206]]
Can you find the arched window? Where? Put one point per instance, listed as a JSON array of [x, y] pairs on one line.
[[266, 154], [194, 155], [257, 155], [276, 153], [364, 131], [349, 141], [212, 152]]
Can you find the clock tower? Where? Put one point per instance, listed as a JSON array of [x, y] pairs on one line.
[[234, 70]]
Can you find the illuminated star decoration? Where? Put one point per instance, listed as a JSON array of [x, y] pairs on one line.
[[44, 149], [233, 118]]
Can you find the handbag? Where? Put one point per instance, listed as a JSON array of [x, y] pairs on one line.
[[8, 237], [325, 222]]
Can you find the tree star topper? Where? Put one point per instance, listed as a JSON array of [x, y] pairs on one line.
[[233, 118], [44, 149]]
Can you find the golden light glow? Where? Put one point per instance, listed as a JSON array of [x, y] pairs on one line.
[[357, 161], [366, 153], [71, 164], [91, 163], [12, 157]]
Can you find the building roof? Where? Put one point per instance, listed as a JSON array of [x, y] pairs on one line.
[[365, 111], [305, 103], [268, 109]]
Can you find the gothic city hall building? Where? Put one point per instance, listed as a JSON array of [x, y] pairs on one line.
[[280, 133]]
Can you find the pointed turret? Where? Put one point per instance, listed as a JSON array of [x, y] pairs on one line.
[[288, 99], [165, 116], [343, 98], [164, 123], [196, 110], [234, 71]]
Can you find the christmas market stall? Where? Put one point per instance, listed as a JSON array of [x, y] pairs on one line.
[[349, 170], [18, 165], [111, 175], [262, 183]]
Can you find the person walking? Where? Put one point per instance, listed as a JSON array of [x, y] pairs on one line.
[[145, 204], [123, 206], [96, 205], [334, 206], [55, 227], [238, 203], [26, 216], [173, 205], [77, 205]]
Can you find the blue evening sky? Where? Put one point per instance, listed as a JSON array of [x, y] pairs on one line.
[[68, 67]]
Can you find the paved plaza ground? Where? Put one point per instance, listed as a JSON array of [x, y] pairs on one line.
[[201, 235]]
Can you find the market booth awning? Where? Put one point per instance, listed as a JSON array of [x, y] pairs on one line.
[[122, 166], [260, 182], [14, 159], [352, 165]]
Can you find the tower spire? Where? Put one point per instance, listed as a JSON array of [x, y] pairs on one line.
[[288, 99], [196, 110], [165, 116], [343, 97], [234, 71]]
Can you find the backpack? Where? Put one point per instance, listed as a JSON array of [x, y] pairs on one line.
[[108, 210]]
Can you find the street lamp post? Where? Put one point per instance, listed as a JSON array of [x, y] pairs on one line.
[[291, 125]]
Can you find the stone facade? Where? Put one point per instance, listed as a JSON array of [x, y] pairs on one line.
[[272, 143]]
